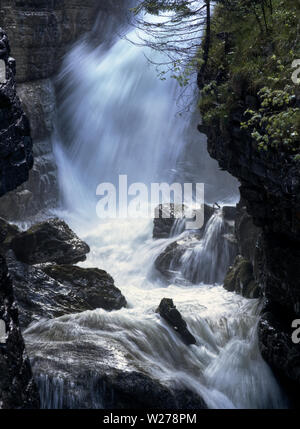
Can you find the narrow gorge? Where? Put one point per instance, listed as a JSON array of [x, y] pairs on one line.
[[138, 313]]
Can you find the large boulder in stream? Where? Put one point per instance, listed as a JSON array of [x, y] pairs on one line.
[[247, 233], [165, 218], [93, 383], [169, 312], [53, 291], [49, 241], [96, 287], [135, 390], [229, 213], [101, 373]]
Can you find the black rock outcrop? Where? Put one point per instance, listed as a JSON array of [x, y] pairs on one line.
[[49, 241], [15, 142], [96, 287], [17, 388], [54, 290], [169, 312]]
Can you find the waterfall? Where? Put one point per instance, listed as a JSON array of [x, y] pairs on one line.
[[209, 260], [116, 117]]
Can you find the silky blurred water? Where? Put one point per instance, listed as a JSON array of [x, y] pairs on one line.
[[225, 366], [116, 117]]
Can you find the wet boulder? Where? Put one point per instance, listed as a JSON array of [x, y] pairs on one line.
[[169, 312], [49, 241], [136, 390], [39, 295], [93, 379], [240, 279], [246, 232], [96, 287]]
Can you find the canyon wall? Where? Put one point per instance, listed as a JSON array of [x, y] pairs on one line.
[[17, 388], [270, 191]]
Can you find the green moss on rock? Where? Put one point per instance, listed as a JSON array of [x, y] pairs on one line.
[[240, 279]]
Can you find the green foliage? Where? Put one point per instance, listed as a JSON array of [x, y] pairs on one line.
[[274, 124], [183, 74], [252, 50]]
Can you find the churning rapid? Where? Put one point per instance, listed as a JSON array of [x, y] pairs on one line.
[[116, 117]]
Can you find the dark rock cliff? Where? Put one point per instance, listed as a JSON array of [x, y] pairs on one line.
[[17, 389], [15, 145], [42, 31], [270, 190]]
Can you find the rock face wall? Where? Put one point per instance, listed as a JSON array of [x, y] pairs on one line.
[[17, 389], [270, 189], [15, 145], [41, 32]]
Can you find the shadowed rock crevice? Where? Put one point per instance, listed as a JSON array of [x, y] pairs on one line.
[[240, 279]]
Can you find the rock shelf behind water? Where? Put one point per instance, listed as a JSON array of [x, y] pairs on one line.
[[166, 216]]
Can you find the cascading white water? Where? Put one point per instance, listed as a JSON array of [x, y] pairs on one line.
[[118, 118], [224, 367], [109, 130], [210, 258]]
